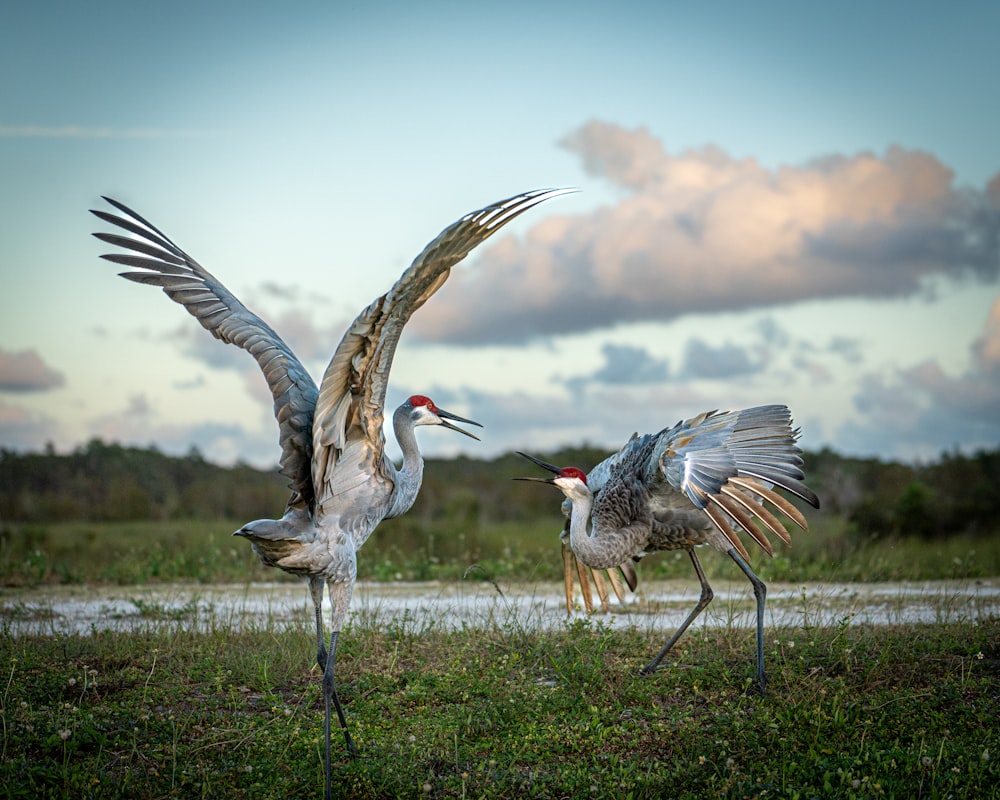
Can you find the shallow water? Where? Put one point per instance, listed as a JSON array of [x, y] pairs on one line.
[[438, 605]]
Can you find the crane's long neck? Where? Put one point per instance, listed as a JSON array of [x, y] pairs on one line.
[[411, 474], [602, 546]]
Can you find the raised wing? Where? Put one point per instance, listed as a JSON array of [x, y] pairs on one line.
[[727, 465], [162, 263], [352, 392]]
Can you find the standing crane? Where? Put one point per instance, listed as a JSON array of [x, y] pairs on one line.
[[332, 446], [686, 486]]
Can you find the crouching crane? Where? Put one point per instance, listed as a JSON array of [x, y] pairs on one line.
[[332, 446], [696, 483]]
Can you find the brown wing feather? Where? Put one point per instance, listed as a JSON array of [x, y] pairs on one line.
[[352, 392], [185, 281]]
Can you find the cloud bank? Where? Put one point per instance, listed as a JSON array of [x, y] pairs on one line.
[[705, 232], [26, 372]]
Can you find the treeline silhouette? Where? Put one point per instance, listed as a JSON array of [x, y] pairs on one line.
[[955, 495]]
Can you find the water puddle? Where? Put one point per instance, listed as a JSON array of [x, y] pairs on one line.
[[439, 605]]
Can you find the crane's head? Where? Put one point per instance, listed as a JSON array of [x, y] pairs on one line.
[[422, 411], [566, 478]]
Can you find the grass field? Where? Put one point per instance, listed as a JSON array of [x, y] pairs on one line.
[[501, 712], [127, 553]]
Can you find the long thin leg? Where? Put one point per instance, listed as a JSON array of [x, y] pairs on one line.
[[316, 590], [760, 592], [706, 597], [340, 599], [332, 699]]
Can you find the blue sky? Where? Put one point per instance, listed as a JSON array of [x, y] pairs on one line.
[[780, 203]]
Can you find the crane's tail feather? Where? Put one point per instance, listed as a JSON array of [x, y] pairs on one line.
[[771, 522], [600, 585], [614, 578], [627, 569], [574, 569], [721, 522]]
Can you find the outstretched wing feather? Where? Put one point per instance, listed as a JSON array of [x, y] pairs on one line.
[[162, 263], [711, 456], [352, 392]]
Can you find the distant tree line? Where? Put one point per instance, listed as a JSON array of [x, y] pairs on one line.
[[956, 494]]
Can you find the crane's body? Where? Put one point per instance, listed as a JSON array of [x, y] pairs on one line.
[[696, 483], [332, 445]]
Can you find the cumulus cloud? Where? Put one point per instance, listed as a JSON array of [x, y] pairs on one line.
[[623, 365], [26, 372], [705, 232], [703, 360], [928, 409], [986, 348], [139, 424]]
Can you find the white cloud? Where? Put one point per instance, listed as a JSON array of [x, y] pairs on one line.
[[624, 365], [704, 232], [921, 410], [26, 372], [987, 348], [141, 423], [703, 360]]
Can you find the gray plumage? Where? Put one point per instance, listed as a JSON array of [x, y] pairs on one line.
[[699, 482], [332, 446]]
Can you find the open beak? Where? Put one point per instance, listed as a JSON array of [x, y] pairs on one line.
[[544, 464], [446, 415]]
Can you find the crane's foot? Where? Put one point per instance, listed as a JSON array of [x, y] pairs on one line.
[[352, 750]]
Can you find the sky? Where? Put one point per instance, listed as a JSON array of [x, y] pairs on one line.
[[779, 203]]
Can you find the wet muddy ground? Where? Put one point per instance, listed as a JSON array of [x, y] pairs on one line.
[[444, 605]]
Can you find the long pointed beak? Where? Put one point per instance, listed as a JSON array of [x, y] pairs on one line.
[[446, 415], [545, 464]]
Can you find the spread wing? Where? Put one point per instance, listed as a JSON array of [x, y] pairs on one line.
[[727, 465], [349, 409], [159, 262]]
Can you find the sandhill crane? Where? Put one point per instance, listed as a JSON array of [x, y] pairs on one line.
[[685, 486], [332, 445]]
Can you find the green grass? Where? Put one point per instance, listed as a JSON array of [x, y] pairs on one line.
[[501, 712], [127, 553]]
